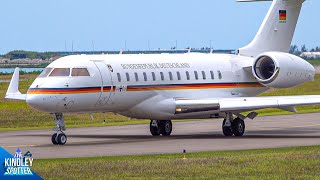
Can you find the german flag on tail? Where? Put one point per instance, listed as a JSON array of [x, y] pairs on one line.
[[282, 15]]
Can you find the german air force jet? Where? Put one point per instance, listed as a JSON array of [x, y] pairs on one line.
[[163, 87]]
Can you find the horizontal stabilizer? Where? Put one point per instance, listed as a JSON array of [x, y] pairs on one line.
[[13, 90]]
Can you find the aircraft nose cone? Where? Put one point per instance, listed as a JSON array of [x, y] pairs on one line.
[[34, 102], [39, 102]]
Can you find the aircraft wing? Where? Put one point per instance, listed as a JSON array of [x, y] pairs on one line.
[[13, 90], [242, 104]]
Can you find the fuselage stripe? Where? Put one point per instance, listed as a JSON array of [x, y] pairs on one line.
[[81, 90], [193, 86], [84, 90]]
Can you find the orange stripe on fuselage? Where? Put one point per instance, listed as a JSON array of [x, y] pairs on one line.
[[194, 86], [65, 90], [143, 88]]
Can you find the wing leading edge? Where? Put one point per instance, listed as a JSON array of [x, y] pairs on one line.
[[243, 104]]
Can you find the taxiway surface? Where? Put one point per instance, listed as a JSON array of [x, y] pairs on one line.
[[194, 136]]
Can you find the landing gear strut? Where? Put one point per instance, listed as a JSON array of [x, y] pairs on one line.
[[59, 138], [160, 127], [232, 126]]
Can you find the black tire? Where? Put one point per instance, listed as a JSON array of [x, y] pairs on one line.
[[227, 131], [165, 128], [154, 130], [62, 139], [238, 127], [54, 139]]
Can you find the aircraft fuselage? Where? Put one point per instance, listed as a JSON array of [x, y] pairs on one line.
[[131, 84]]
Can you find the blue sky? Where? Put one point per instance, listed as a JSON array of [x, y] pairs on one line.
[[50, 25]]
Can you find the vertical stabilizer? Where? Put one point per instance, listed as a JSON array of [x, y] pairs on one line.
[[277, 29]]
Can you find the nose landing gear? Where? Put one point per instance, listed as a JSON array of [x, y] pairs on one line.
[[59, 138]]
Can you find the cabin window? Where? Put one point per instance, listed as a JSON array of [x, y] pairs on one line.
[[128, 77], [212, 74], [188, 75], [162, 76], [219, 74], [60, 72], [145, 76], [80, 72], [196, 75], [119, 77], [136, 76], [170, 76], [179, 76], [45, 72], [204, 75], [153, 76]]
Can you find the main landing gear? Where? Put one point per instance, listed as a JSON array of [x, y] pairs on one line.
[[59, 138], [158, 128], [232, 126]]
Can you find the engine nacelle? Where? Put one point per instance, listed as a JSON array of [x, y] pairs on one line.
[[282, 70]]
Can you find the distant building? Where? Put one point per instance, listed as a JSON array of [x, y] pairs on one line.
[[311, 55]]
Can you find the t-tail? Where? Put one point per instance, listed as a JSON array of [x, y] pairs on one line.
[[277, 29]]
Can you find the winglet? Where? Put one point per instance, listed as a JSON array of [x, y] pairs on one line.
[[13, 90]]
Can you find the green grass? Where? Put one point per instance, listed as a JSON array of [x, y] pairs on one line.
[[17, 115], [315, 62], [285, 163]]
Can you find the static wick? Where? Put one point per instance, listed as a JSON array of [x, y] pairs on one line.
[[184, 154]]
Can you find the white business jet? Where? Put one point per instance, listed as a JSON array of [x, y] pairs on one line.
[[163, 87]]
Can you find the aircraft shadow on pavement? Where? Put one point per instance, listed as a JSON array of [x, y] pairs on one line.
[[273, 134], [123, 139]]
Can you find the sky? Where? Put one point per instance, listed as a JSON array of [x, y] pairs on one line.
[[53, 25]]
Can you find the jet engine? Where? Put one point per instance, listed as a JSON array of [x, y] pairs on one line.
[[282, 70]]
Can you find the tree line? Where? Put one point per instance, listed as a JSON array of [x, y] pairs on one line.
[[19, 54], [294, 49]]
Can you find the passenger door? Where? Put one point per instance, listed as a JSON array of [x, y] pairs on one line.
[[106, 83]]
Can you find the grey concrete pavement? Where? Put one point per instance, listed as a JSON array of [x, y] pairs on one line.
[[194, 136]]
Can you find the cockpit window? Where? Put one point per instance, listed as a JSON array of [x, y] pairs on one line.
[[80, 72], [45, 72], [60, 72]]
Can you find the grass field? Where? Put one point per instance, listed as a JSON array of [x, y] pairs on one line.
[[315, 62], [16, 115], [286, 163]]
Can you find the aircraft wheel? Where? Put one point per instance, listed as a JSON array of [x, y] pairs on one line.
[[62, 139], [238, 127], [154, 128], [166, 127], [54, 139], [227, 131]]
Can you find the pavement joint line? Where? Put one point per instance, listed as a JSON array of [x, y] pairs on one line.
[[274, 128], [313, 125], [17, 146]]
